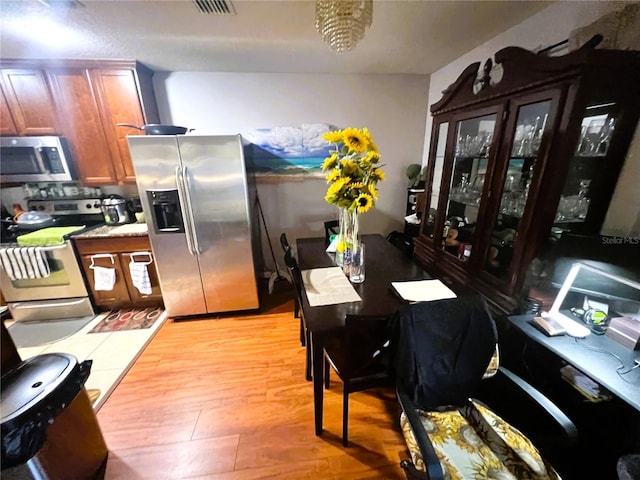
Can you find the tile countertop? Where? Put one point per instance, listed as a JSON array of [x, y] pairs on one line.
[[109, 231]]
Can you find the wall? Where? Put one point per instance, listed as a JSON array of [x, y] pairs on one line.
[[550, 26], [393, 107]]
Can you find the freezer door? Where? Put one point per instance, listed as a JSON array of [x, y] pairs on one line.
[[156, 161], [215, 173]]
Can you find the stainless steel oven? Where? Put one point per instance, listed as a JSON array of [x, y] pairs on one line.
[[62, 293]]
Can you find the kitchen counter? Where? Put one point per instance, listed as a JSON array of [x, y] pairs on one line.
[[111, 231]]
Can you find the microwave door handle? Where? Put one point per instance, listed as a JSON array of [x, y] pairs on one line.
[[44, 167], [183, 207], [187, 189]]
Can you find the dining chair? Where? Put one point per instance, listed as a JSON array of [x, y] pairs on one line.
[[445, 356], [330, 228], [359, 356], [296, 304], [296, 275]]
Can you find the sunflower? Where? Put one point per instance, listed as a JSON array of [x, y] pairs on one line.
[[377, 175], [364, 202], [333, 137], [354, 140], [330, 162]]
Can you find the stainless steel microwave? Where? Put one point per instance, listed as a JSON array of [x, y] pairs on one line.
[[35, 159]]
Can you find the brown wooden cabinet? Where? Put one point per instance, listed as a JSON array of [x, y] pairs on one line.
[[29, 101], [87, 98], [116, 253], [7, 125], [521, 157]]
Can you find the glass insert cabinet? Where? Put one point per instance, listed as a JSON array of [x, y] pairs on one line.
[[521, 151]]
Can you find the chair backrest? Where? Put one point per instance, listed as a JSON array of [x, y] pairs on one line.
[[292, 264], [284, 242], [330, 228], [366, 346], [442, 349]]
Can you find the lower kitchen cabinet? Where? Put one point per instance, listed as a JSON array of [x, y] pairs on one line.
[[116, 253]]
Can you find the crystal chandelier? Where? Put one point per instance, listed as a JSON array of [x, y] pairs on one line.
[[342, 23]]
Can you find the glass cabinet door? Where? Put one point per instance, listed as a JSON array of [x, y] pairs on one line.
[[587, 175], [433, 191], [523, 156], [474, 139]]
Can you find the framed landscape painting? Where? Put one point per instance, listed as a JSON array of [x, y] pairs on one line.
[[290, 151]]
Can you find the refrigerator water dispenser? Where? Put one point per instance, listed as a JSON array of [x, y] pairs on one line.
[[165, 210]]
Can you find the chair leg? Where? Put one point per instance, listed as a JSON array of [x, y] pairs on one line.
[[307, 370], [296, 307], [345, 416], [303, 340], [327, 374]]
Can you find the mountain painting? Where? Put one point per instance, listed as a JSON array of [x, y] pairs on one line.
[[290, 151]]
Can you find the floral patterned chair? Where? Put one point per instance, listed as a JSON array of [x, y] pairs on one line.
[[449, 435]]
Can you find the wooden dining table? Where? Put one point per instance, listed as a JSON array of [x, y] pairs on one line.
[[384, 264]]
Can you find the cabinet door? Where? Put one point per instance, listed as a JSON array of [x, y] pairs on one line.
[[434, 178], [30, 102], [137, 298], [515, 183], [7, 126], [119, 295], [119, 102], [593, 170], [82, 125], [463, 187]]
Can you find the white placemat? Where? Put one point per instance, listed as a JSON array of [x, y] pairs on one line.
[[328, 286], [423, 290]]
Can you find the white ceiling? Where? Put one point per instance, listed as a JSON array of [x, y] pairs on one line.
[[416, 37]]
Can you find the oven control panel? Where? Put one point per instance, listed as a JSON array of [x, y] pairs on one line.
[[84, 206]]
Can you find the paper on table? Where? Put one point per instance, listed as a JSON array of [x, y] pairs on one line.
[[423, 290], [328, 286]]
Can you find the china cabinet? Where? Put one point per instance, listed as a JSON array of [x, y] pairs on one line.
[[522, 150]]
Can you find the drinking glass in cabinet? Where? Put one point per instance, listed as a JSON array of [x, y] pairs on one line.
[[595, 136], [528, 137]]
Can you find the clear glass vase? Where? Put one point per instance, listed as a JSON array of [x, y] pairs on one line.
[[347, 235]]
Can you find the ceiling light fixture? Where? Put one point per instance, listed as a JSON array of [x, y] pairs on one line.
[[342, 23]]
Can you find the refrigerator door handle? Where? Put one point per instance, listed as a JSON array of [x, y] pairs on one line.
[[183, 207], [192, 220]]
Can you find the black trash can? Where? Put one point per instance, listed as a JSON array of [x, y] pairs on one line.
[[49, 428]]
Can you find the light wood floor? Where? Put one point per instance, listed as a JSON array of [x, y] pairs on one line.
[[226, 398]]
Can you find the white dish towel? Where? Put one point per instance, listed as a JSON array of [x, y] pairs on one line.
[[103, 278], [140, 277], [22, 263]]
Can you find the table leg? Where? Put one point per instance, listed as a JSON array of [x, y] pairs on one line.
[[318, 378]]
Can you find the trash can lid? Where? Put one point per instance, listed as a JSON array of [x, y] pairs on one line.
[[32, 381]]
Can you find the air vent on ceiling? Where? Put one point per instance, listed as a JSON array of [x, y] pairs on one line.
[[215, 7]]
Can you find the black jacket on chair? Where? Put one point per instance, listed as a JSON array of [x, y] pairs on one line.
[[442, 349]]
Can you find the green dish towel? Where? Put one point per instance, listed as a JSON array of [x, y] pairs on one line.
[[46, 237]]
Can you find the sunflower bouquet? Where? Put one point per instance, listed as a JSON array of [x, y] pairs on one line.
[[353, 170], [353, 174]]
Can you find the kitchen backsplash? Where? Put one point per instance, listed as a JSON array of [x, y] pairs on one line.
[[19, 195]]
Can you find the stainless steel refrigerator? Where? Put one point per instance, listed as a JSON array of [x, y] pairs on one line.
[[198, 200]]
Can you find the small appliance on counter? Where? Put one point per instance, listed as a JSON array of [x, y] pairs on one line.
[[117, 210]]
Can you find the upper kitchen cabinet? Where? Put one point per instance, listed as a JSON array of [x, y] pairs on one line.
[[124, 95], [89, 97], [7, 125], [29, 103], [522, 151]]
